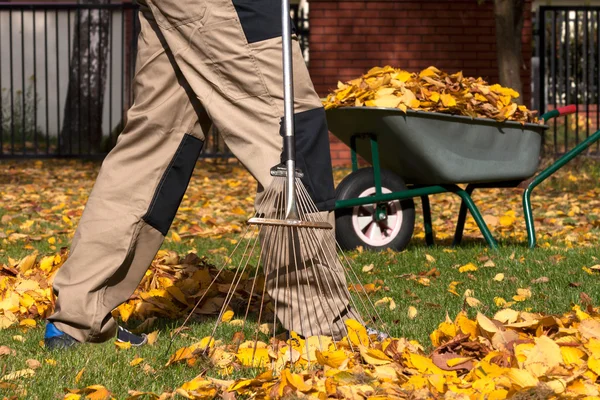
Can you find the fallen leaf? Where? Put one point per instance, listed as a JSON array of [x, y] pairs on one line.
[[412, 312], [33, 364]]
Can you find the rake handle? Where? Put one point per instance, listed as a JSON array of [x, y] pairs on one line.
[[289, 145]]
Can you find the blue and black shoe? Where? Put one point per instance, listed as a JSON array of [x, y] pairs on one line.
[[55, 339], [123, 335]]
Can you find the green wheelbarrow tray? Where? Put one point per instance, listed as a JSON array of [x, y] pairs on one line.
[[427, 148], [433, 152]]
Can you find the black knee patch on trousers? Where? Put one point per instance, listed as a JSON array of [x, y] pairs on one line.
[[260, 19], [173, 185], [313, 157]]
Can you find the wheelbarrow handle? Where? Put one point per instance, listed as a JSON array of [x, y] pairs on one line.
[[570, 109]]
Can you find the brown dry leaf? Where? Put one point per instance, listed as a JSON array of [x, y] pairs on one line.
[[7, 351], [33, 364], [541, 279]]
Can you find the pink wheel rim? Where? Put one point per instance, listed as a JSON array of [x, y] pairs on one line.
[[375, 233]]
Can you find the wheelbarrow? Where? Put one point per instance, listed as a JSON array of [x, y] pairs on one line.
[[418, 154]]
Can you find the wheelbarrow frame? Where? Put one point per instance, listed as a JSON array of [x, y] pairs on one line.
[[465, 194]]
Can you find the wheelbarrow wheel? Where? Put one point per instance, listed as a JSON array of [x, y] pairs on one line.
[[361, 226]]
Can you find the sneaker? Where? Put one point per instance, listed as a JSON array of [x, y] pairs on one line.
[[55, 339], [123, 335]]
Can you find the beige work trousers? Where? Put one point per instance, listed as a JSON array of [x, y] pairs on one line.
[[199, 62]]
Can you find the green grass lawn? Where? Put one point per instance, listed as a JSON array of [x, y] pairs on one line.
[[554, 274]]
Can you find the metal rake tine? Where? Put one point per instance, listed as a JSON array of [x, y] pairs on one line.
[[295, 240], [234, 287], [317, 279], [189, 316], [311, 206], [363, 288], [312, 237], [319, 238]]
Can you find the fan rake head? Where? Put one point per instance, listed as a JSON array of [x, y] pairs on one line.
[[306, 288]]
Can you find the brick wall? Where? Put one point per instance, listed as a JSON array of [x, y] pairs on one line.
[[348, 37]]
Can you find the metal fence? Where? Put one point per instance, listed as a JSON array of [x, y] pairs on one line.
[[65, 76], [568, 48]]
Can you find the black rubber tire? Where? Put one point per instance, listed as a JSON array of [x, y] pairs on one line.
[[353, 186]]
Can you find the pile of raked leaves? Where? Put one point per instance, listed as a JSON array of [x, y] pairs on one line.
[[430, 90], [513, 354]]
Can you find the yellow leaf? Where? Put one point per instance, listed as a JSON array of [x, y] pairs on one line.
[[470, 267], [594, 364], [374, 356], [28, 323], [152, 338], [123, 345], [522, 378], [79, 375], [23, 373], [403, 76], [175, 236], [266, 328], [522, 295], [136, 361], [390, 101], [499, 277], [125, 310], [572, 355], [333, 359], [368, 268], [486, 324], [251, 357], [507, 220], [472, 301], [50, 361], [227, 316], [448, 100], [453, 362], [27, 263], [386, 301], [47, 263], [412, 312], [357, 333], [429, 72]]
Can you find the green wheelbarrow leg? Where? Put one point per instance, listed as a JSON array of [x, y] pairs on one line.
[[462, 217], [545, 174], [427, 221], [468, 201]]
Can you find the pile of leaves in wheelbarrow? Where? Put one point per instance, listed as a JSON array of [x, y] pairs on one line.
[[430, 90]]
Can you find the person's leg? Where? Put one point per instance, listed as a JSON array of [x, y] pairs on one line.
[[134, 199], [230, 53]]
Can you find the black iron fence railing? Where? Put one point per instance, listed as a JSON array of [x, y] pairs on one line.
[[65, 78], [568, 48]]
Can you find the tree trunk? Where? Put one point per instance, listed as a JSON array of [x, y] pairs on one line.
[[82, 126], [509, 28]]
